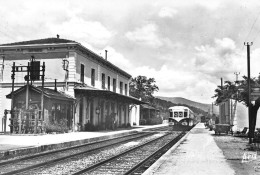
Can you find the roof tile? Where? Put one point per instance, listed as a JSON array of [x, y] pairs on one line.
[[40, 41]]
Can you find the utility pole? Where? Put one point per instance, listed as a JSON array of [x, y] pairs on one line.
[[12, 102], [249, 90], [221, 83], [222, 113], [42, 95], [234, 105]]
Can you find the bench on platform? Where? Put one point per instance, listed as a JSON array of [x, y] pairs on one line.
[[242, 133], [256, 139]]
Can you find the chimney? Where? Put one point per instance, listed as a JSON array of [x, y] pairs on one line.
[[58, 36], [55, 85], [105, 54]]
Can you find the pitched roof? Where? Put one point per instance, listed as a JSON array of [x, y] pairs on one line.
[[40, 41], [46, 41], [55, 94], [50, 93]]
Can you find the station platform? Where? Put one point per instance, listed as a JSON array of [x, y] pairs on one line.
[[196, 153], [12, 145]]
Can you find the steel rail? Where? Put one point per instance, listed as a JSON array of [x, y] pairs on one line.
[[158, 151], [22, 170], [5, 162], [90, 168]]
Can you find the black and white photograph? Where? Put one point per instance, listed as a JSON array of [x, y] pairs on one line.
[[129, 87]]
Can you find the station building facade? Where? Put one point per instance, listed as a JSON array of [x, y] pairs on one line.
[[100, 89]]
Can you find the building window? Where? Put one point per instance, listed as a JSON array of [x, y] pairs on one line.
[[114, 85], [121, 87], [108, 83], [125, 89], [103, 81], [82, 69], [93, 77]]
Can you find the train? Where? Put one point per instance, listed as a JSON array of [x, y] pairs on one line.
[[181, 115]]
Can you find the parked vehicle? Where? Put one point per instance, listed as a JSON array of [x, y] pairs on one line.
[[222, 128]]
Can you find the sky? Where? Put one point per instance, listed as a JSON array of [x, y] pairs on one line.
[[186, 45]]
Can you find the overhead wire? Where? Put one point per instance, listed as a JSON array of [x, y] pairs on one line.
[[256, 36], [252, 29]]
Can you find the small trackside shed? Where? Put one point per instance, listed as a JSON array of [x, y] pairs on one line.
[[57, 105]]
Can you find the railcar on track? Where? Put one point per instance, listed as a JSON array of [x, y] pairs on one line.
[[181, 115]]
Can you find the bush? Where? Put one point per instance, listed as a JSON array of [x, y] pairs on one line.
[[49, 128], [128, 125], [55, 126]]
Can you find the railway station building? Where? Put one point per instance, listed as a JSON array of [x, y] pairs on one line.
[[99, 88]]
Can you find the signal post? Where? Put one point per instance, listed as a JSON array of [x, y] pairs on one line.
[[34, 72]]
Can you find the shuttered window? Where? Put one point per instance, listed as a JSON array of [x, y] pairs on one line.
[[103, 81], [93, 77], [108, 83], [114, 85], [82, 67]]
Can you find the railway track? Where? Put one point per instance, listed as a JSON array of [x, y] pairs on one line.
[[77, 159], [143, 165], [26, 163], [130, 160]]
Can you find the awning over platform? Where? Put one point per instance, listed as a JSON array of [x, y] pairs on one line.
[[146, 106], [92, 92]]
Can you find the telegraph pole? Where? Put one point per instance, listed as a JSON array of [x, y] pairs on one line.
[[12, 95], [234, 105], [249, 90], [221, 83]]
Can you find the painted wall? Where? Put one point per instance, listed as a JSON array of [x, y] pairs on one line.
[[89, 64]]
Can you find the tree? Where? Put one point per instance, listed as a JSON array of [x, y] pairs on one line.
[[239, 92], [143, 87]]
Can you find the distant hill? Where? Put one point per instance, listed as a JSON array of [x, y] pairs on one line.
[[180, 100]]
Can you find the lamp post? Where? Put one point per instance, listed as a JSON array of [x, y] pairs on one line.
[[249, 90], [97, 110]]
